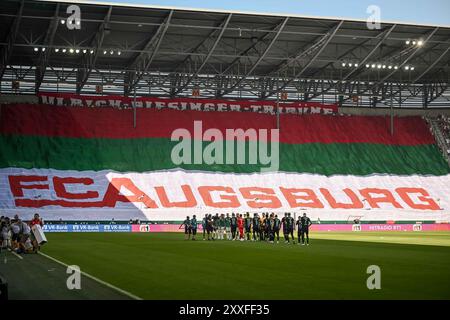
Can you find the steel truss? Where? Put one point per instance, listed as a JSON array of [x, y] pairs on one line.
[[369, 93], [232, 58]]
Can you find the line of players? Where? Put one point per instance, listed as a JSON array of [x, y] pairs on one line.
[[256, 228]]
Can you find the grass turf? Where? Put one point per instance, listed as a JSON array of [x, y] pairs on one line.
[[165, 266]]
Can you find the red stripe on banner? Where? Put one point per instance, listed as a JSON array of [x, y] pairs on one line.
[[106, 122]]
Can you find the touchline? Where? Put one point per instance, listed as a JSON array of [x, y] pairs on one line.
[[237, 147]]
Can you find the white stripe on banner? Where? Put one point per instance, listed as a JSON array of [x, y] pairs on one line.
[[171, 195]]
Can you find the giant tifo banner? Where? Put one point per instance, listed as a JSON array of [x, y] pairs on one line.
[[73, 100], [92, 163]]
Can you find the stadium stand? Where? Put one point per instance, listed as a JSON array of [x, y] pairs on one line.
[[440, 127], [312, 143]]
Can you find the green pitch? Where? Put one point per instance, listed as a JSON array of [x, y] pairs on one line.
[[165, 266]]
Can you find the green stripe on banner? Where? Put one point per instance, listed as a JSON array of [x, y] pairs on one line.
[[150, 154]]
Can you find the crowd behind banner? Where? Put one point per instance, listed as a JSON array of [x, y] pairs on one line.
[[266, 227], [20, 236]]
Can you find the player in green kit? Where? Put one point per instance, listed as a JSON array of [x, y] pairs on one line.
[[194, 226], [266, 227], [233, 226], [210, 227], [216, 226], [285, 228], [187, 228], [276, 228], [248, 225], [261, 227], [204, 225], [270, 228], [304, 225], [255, 226], [221, 226], [228, 226], [291, 226]]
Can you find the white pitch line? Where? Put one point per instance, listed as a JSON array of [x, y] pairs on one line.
[[17, 255], [132, 296]]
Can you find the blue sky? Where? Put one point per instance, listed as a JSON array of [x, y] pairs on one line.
[[436, 12]]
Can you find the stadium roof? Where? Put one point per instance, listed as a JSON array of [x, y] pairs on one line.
[[172, 51]]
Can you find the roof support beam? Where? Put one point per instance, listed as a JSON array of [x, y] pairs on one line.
[[6, 52], [204, 60], [383, 36], [244, 52], [279, 28], [432, 65], [412, 55], [433, 91], [143, 61], [48, 43], [319, 71], [90, 60], [318, 46]]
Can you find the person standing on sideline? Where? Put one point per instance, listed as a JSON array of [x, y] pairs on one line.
[[210, 227], [276, 228], [270, 228], [233, 226], [36, 221], [266, 227], [255, 227], [262, 227], [194, 226], [5, 233], [187, 228], [221, 227], [299, 229], [291, 226], [216, 226], [228, 226], [285, 228], [305, 223], [248, 226], [204, 225]]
